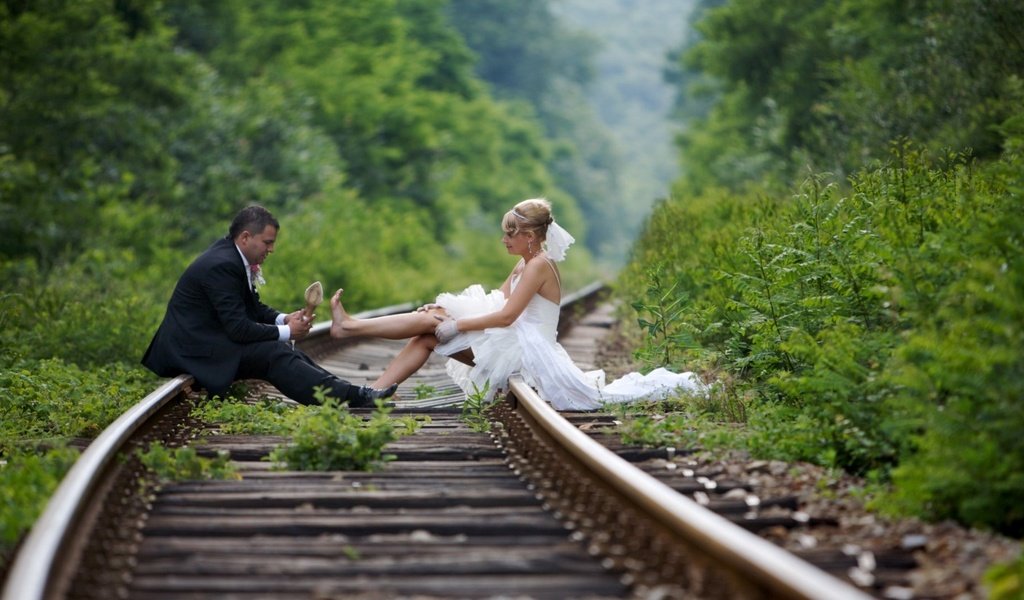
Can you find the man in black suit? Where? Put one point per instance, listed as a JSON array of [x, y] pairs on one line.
[[217, 330]]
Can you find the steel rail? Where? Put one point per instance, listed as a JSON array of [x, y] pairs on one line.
[[740, 553], [33, 574]]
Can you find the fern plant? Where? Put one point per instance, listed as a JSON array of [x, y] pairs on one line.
[[661, 314], [474, 407]]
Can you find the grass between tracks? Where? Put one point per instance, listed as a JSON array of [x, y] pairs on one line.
[[326, 437]]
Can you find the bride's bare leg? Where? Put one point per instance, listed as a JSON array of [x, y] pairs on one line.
[[415, 354], [393, 327], [409, 360]]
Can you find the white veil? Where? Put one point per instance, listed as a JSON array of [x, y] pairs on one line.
[[557, 242]]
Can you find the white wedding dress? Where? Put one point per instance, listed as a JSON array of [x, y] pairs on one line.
[[529, 347]]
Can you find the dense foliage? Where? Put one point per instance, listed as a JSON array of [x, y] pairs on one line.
[[27, 480], [868, 315], [46, 405], [826, 85]]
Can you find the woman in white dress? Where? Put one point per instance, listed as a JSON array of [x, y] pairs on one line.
[[491, 336]]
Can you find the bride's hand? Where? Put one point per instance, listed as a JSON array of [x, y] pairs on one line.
[[426, 307], [446, 330]]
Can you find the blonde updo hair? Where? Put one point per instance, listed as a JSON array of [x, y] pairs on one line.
[[529, 215]]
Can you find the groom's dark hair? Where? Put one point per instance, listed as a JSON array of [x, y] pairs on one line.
[[253, 219]]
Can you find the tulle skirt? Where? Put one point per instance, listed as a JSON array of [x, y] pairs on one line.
[[529, 347], [496, 351], [471, 302]]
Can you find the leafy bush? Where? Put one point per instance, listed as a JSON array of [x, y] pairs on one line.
[[264, 417], [661, 318], [959, 375], [46, 401], [1006, 581], [424, 391], [27, 480], [100, 307], [328, 437], [43, 404], [871, 331], [184, 464]]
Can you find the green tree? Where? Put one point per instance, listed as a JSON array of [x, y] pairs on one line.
[[827, 85], [85, 90], [391, 85]]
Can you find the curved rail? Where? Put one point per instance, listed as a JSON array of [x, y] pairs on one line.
[[36, 572], [753, 565]]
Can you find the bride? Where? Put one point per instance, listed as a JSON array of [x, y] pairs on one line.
[[490, 336]]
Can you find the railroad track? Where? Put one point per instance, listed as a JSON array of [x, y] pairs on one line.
[[535, 509]]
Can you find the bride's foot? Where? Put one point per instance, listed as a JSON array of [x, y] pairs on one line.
[[340, 321]]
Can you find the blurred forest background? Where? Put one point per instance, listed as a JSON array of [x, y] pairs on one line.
[[828, 224]]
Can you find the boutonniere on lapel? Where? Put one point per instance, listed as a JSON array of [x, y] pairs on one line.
[[257, 276]]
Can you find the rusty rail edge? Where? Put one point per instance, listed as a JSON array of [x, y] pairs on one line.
[[690, 538], [33, 574]]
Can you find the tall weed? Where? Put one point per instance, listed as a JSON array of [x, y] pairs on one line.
[[328, 438]]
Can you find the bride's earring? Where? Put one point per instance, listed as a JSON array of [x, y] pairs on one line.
[[529, 248]]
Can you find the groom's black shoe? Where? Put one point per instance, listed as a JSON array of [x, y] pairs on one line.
[[366, 396]]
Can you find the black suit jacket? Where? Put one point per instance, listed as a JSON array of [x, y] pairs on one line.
[[212, 314]]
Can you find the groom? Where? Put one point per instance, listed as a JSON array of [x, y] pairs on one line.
[[217, 330]]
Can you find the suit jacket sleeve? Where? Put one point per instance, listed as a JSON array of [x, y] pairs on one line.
[[265, 314], [226, 296]]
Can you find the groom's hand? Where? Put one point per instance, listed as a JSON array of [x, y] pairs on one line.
[[298, 324]]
